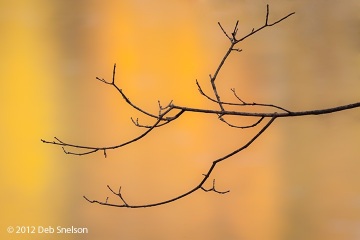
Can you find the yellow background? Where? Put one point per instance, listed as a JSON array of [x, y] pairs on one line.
[[300, 180]]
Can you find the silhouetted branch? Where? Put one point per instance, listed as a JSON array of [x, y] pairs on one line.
[[170, 112], [242, 127], [199, 186], [243, 103]]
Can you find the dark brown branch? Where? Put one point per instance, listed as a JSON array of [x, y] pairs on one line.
[[127, 100], [243, 103], [274, 114], [162, 119], [253, 31], [199, 186], [167, 121], [118, 194], [242, 127], [207, 111], [80, 153]]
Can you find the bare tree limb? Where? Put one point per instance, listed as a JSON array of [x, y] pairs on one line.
[[233, 42], [199, 186], [170, 112]]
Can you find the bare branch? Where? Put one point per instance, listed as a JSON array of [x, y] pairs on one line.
[[127, 100], [253, 31], [235, 41], [95, 149], [274, 114], [171, 112], [167, 121], [207, 111], [225, 32], [242, 127], [160, 117], [233, 90], [199, 186], [243, 103], [79, 153], [235, 31]]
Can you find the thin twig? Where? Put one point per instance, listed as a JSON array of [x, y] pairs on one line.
[[208, 111], [213, 189], [163, 118], [233, 42], [243, 103], [224, 32], [242, 127]]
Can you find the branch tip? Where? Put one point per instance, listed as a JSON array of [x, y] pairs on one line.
[[223, 30], [87, 199], [113, 77], [267, 14], [213, 189]]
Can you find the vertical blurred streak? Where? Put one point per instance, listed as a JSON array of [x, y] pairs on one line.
[[29, 172], [320, 154]]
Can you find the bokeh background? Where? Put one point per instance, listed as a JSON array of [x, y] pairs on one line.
[[300, 180]]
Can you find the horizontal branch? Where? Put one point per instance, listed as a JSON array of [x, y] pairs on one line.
[[219, 113], [274, 114], [95, 149]]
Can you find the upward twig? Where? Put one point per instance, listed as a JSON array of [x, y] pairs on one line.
[[234, 41]]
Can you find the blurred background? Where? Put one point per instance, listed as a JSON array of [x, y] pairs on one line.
[[299, 180]]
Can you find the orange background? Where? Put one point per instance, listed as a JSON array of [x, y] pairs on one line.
[[300, 180]]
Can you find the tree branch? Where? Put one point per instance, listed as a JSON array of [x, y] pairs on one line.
[[172, 112], [199, 186], [233, 42]]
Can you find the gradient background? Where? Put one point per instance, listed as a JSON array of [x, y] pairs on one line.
[[300, 180]]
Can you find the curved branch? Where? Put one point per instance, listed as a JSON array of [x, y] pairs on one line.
[[95, 149], [242, 127], [213, 189], [198, 187], [275, 114], [162, 120]]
